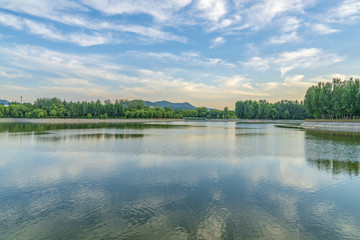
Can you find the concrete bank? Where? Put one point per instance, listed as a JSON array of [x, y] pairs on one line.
[[333, 126], [269, 121]]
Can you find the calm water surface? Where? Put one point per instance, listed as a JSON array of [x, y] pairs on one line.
[[177, 181]]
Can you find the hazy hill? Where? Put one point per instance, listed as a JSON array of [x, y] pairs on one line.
[[180, 106], [174, 106]]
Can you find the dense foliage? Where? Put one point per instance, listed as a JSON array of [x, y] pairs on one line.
[[339, 99], [55, 108], [264, 110]]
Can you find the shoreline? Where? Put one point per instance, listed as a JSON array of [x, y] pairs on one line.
[[332, 126], [307, 125]]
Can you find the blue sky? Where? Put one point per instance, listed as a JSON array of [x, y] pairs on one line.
[[206, 52]]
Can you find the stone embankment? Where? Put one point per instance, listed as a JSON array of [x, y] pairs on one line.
[[332, 126]]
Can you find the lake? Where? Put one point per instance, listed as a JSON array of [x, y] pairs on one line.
[[180, 180]]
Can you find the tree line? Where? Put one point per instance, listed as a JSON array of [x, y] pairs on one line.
[[262, 109], [56, 108], [339, 99]]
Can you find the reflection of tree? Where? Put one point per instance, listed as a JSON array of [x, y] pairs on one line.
[[334, 152], [337, 136], [350, 168], [95, 136], [41, 127]]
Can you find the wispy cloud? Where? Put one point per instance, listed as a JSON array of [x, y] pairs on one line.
[[50, 32], [188, 58], [212, 10], [11, 21], [229, 17], [323, 29], [305, 58], [62, 13], [346, 11], [285, 38], [258, 63], [217, 42], [289, 24], [264, 12], [329, 77], [29, 58], [10, 73], [160, 10], [294, 78]]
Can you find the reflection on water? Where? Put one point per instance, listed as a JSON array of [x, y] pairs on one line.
[[177, 181], [38, 127], [334, 152], [336, 167], [90, 136]]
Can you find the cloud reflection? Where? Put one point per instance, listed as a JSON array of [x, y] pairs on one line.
[[188, 183]]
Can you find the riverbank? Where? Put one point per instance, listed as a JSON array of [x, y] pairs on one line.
[[332, 126], [77, 120]]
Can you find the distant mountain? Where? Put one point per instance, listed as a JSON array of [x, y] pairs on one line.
[[174, 106], [6, 103]]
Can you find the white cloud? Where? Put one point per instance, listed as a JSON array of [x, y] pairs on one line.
[[9, 75], [90, 67], [294, 78], [285, 38], [305, 58], [11, 21], [150, 33], [290, 24], [346, 11], [236, 82], [323, 29], [50, 32], [217, 42], [63, 12], [160, 10], [264, 12], [229, 17], [257, 63], [329, 77], [41, 8], [212, 10], [189, 58]]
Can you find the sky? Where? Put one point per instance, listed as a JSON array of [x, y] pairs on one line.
[[207, 52]]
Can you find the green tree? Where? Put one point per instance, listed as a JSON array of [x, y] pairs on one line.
[[52, 113]]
